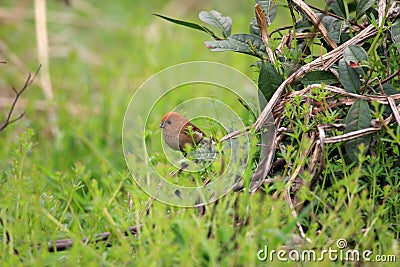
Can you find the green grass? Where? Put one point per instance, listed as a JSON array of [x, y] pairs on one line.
[[75, 183]]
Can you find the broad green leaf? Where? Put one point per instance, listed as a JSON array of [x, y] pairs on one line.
[[290, 66], [395, 31], [334, 26], [269, 80], [389, 89], [254, 29], [363, 6], [358, 118], [354, 53], [216, 19], [319, 76], [337, 7], [188, 24], [270, 8], [336, 31], [349, 77], [243, 43], [344, 37], [303, 24]]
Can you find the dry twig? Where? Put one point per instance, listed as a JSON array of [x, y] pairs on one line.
[[262, 25], [9, 120], [315, 20]]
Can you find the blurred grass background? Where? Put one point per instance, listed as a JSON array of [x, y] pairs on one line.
[[99, 55]]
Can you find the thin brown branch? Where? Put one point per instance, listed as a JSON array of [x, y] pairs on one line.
[[394, 74], [327, 13], [294, 213], [278, 30], [315, 20], [351, 135], [392, 104], [63, 244], [9, 120], [262, 25], [258, 178], [379, 98], [381, 12]]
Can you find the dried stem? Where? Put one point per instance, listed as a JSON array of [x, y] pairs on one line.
[[9, 120]]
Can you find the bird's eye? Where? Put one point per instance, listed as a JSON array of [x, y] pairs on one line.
[[168, 121]]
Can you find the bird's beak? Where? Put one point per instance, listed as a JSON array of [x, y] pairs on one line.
[[162, 125]]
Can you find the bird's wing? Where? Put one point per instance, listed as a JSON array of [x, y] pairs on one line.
[[194, 129]]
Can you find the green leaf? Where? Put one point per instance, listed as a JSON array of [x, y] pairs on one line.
[[349, 77], [358, 118], [335, 30], [363, 6], [216, 19], [269, 79], [319, 76], [270, 8], [337, 7], [334, 26], [243, 43], [373, 21], [254, 29], [395, 31], [303, 24], [354, 53], [388, 89], [189, 25], [344, 37]]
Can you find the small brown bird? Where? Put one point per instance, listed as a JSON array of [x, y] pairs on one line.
[[178, 132]]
